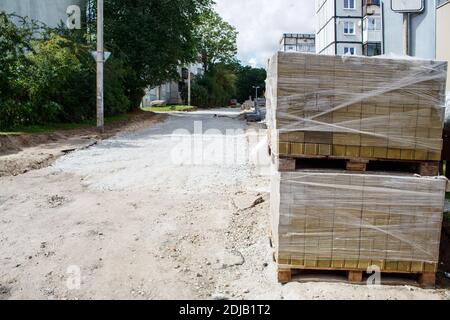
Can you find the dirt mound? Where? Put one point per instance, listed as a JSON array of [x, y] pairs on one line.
[[20, 153], [13, 143]]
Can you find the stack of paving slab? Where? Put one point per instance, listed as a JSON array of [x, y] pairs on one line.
[[364, 107], [342, 107]]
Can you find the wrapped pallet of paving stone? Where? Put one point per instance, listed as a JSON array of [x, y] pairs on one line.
[[356, 107], [333, 220]]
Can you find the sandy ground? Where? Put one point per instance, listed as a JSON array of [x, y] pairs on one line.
[[148, 215]]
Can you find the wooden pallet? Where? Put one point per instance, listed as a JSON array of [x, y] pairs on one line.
[[286, 275], [298, 274], [290, 164]]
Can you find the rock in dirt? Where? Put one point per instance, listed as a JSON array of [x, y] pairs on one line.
[[257, 202], [231, 259], [56, 201], [244, 201], [5, 292]]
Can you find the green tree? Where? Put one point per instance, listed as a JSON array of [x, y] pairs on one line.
[[14, 43], [215, 88], [247, 78], [221, 84], [51, 78], [61, 81], [216, 40], [152, 38]]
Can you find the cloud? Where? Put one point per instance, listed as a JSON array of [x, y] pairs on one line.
[[261, 24]]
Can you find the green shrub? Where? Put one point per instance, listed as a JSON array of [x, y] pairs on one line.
[[13, 114], [214, 89], [53, 78], [58, 82], [116, 100], [199, 95], [14, 43]]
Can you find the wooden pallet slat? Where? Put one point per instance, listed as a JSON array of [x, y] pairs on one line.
[[284, 275], [356, 165], [426, 280], [291, 164], [355, 276]]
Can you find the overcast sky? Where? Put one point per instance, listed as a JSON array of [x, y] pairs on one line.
[[261, 24]]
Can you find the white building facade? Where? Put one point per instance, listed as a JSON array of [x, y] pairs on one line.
[[298, 42], [352, 27], [372, 28], [170, 92]]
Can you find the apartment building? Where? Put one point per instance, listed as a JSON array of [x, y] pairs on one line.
[[372, 28], [298, 42], [442, 36], [351, 27]]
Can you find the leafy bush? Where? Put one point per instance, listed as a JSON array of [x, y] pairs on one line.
[[52, 79], [214, 89], [249, 77], [60, 81], [199, 95], [14, 42], [116, 99], [13, 113]]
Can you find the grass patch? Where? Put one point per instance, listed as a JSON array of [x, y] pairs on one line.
[[52, 127], [171, 108]]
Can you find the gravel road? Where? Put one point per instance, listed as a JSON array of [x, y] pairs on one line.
[[175, 211]]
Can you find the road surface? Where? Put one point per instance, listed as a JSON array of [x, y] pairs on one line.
[[179, 210]]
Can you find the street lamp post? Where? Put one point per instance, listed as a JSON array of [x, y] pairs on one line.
[[189, 86], [256, 97], [100, 58]]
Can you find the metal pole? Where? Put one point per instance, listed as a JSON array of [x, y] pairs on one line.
[[100, 65], [189, 86], [406, 34], [256, 98], [257, 108]]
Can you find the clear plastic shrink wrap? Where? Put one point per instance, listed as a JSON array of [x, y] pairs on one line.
[[365, 108], [348, 106], [352, 221]]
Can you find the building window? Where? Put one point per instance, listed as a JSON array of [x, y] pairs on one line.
[[374, 24], [349, 27], [349, 51], [349, 4], [372, 49]]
